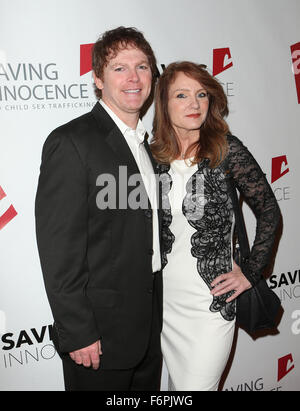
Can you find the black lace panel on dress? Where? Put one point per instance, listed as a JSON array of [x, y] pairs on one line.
[[212, 240]]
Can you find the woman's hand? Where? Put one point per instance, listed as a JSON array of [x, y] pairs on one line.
[[233, 281]]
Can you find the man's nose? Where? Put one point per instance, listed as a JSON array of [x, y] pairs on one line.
[[133, 76]]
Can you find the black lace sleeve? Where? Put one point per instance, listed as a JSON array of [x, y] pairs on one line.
[[253, 185]]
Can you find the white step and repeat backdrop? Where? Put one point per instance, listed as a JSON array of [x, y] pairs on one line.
[[253, 48]]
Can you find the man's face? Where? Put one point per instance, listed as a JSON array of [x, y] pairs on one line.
[[126, 82]]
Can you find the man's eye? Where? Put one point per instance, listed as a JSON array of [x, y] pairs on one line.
[[143, 67], [119, 69]]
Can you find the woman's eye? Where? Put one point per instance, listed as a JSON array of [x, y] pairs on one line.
[[203, 94], [180, 95], [143, 67]]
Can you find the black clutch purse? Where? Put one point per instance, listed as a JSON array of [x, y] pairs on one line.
[[258, 307]]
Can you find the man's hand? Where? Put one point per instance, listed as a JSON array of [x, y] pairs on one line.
[[88, 356]]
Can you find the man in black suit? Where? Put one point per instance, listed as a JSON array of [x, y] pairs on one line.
[[98, 233]]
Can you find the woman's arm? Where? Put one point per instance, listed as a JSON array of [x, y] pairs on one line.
[[253, 185]]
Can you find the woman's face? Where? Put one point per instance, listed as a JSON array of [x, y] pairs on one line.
[[188, 104]]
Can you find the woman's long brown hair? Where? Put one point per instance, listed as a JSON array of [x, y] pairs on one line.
[[212, 143]]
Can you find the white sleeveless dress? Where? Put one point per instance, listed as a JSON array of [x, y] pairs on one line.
[[196, 342]]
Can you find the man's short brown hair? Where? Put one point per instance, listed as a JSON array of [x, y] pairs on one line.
[[112, 41]]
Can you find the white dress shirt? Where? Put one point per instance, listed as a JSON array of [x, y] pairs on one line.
[[135, 141]]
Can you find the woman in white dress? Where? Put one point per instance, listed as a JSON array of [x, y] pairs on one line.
[[194, 149]]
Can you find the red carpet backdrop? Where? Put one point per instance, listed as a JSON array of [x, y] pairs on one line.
[[251, 46]]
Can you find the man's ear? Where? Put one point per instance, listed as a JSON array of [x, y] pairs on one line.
[[98, 81]]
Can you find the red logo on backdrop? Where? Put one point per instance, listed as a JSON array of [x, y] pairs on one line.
[[221, 60], [295, 50], [285, 366], [279, 168], [9, 214], [86, 58]]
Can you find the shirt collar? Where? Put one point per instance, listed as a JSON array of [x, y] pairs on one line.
[[124, 128]]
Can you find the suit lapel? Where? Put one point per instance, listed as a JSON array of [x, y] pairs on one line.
[[159, 185], [118, 144], [114, 138], [116, 141], [154, 164]]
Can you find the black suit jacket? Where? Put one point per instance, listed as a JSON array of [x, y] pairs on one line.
[[97, 264]]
